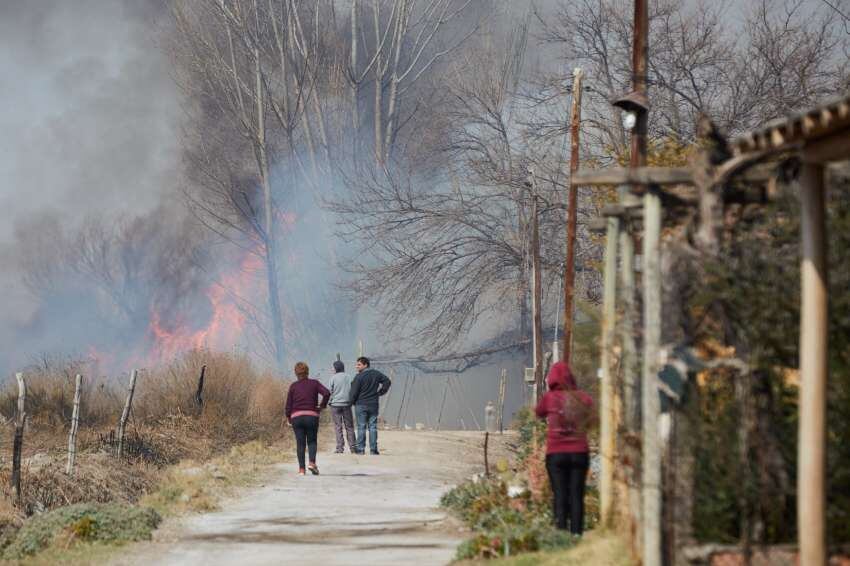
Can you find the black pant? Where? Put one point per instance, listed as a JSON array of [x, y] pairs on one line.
[[567, 473], [306, 429]]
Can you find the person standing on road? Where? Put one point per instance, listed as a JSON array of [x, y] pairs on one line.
[[368, 385], [341, 407], [302, 412], [567, 410]]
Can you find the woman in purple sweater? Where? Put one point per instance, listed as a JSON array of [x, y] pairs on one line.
[[302, 412]]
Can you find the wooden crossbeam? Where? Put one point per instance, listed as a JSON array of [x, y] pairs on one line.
[[636, 176]]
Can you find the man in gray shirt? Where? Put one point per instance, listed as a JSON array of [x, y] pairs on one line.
[[340, 386]]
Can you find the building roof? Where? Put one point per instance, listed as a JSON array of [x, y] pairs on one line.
[[827, 119]]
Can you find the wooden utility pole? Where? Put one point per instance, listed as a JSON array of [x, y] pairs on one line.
[[536, 297], [811, 501], [125, 414], [75, 425], [606, 405], [18, 443], [572, 218]]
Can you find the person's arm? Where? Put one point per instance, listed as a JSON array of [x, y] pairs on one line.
[[384, 384], [326, 396], [334, 385], [355, 390], [540, 409], [288, 411]]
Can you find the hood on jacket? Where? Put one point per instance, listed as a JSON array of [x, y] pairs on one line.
[[561, 377]]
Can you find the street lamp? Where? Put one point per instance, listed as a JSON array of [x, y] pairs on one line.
[[633, 105]]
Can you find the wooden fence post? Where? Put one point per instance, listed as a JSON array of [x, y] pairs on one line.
[[75, 425], [199, 394], [122, 424], [631, 378], [486, 460], [18, 444]]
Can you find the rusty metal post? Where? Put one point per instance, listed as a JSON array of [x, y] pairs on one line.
[[572, 217], [811, 499]]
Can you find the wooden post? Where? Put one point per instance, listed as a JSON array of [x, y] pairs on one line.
[[651, 457], [75, 425], [503, 383], [199, 394], [606, 394], [536, 298], [572, 216], [486, 460], [125, 414], [631, 380], [811, 499], [18, 444]]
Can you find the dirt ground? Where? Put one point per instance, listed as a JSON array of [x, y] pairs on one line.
[[360, 510]]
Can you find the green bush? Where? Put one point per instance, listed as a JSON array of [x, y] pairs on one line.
[[503, 525], [105, 522]]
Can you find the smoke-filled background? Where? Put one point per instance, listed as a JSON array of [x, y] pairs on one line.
[[195, 174]]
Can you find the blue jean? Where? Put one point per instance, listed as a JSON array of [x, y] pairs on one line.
[[367, 415]]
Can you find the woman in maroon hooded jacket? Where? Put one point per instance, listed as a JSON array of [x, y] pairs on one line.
[[302, 412], [567, 410]]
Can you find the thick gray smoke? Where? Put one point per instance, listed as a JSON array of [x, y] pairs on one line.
[[89, 126]]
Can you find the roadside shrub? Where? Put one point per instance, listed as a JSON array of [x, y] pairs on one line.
[[110, 522]]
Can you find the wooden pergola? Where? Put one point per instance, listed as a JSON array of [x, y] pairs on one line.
[[815, 138]]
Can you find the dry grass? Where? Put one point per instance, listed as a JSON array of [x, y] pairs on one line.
[[166, 426], [597, 547]]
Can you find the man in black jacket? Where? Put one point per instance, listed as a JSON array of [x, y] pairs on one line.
[[368, 385]]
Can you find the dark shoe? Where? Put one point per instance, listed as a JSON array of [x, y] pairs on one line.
[[313, 469], [338, 451], [375, 453]]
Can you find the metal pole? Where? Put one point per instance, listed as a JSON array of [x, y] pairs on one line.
[[572, 216], [606, 409], [811, 501]]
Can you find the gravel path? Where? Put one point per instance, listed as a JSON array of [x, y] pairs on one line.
[[361, 510]]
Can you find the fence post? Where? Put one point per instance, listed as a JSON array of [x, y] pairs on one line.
[[19, 438], [503, 382], [651, 456], [199, 394], [486, 460], [122, 424], [75, 424], [606, 406]]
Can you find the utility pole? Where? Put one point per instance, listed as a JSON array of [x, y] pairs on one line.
[[536, 296], [636, 107], [651, 457], [572, 216]]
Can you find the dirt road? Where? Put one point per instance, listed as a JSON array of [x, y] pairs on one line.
[[360, 510]]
